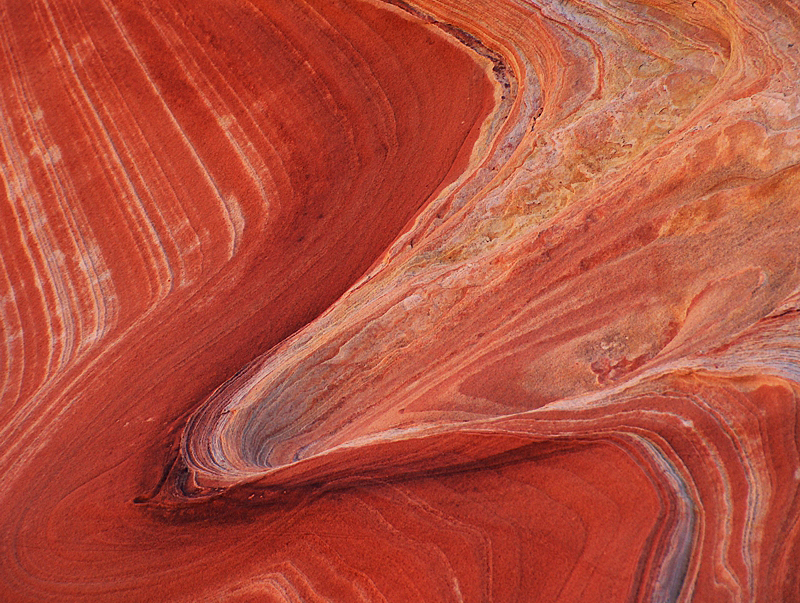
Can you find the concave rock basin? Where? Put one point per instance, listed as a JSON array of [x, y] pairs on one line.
[[345, 300]]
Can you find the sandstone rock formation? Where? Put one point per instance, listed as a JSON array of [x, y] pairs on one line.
[[350, 300]]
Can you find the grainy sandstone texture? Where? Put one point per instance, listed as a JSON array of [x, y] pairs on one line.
[[350, 300]]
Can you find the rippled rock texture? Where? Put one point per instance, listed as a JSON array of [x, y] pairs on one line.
[[360, 301]]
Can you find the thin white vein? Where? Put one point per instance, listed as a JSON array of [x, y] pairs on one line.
[[13, 359], [171, 217], [108, 148], [93, 268], [195, 155]]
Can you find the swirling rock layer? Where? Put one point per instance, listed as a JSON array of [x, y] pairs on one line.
[[431, 301]]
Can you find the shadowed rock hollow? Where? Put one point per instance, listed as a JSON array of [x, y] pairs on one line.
[[432, 301]]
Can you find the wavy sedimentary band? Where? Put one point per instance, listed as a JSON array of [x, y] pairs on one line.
[[389, 301], [641, 222]]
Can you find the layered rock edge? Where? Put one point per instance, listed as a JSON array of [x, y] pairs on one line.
[[530, 319]]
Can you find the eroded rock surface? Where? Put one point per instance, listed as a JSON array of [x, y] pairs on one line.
[[431, 301]]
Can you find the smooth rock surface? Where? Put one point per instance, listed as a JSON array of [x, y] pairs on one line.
[[383, 301]]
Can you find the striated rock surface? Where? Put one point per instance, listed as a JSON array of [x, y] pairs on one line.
[[386, 301]]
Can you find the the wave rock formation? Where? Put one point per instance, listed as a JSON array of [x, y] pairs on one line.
[[438, 300]]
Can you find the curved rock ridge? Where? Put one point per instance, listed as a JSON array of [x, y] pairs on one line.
[[400, 301]]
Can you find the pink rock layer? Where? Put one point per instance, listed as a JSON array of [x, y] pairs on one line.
[[432, 301]]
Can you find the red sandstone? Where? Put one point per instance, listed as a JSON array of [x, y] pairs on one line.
[[376, 301]]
